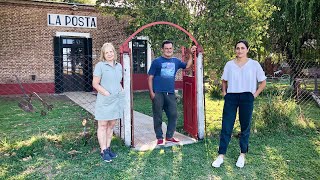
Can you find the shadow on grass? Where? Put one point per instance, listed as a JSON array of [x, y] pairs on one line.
[[53, 148], [286, 147]]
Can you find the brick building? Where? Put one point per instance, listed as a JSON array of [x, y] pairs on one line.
[[40, 40], [52, 47]]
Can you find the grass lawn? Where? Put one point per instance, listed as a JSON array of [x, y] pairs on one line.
[[143, 104], [53, 147]]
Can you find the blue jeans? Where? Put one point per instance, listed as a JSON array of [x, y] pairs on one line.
[[167, 102], [233, 101]]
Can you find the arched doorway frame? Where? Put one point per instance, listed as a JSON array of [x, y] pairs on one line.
[[127, 120]]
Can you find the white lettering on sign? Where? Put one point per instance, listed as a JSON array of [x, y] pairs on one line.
[[72, 21]]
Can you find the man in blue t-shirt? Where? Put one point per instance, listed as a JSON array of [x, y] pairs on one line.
[[161, 82]]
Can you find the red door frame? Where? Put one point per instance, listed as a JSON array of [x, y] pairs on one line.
[[124, 49]]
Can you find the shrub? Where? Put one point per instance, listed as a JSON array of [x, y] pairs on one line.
[[285, 91], [215, 91], [214, 88], [275, 114]]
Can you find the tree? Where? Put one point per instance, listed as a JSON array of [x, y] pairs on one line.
[[220, 24], [91, 2], [141, 13], [217, 24], [294, 24], [294, 33]]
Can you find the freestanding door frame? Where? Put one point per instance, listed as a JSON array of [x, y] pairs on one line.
[[125, 57]]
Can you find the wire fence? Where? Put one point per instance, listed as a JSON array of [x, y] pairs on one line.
[[69, 83], [297, 78], [291, 82]]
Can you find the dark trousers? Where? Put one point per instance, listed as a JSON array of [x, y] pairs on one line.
[[232, 102], [166, 102]]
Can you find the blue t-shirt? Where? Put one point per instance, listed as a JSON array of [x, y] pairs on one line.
[[164, 71]]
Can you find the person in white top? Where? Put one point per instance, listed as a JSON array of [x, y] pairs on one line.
[[243, 80]]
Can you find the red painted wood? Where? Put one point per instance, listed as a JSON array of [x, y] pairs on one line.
[[190, 123], [14, 89], [179, 85], [124, 48], [140, 82]]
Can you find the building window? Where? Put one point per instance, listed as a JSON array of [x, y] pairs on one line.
[[139, 56]]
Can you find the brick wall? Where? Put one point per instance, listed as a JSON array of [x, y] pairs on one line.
[[26, 46]]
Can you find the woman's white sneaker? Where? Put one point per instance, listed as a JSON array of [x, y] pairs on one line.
[[240, 162], [217, 163]]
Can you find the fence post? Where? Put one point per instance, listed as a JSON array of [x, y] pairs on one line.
[[127, 106], [200, 97], [316, 83]]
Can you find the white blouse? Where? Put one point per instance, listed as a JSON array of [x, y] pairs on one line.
[[243, 79]]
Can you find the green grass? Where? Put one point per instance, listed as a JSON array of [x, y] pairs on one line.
[[143, 104], [52, 147]]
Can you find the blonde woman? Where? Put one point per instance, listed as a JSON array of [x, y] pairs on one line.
[[107, 76]]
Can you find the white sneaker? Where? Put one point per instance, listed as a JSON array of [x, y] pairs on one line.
[[217, 162], [240, 162]]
